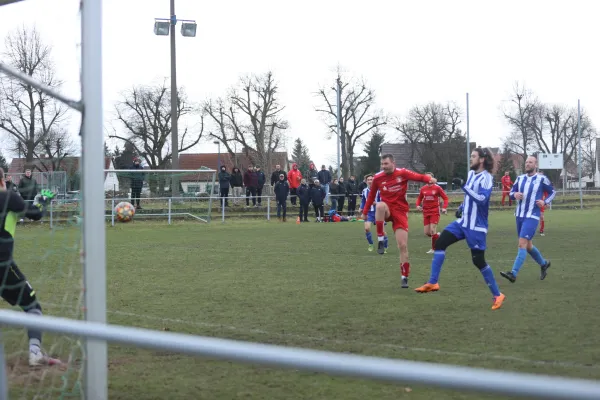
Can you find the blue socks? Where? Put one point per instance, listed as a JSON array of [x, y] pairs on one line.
[[519, 261], [436, 265], [369, 237], [537, 256], [488, 275], [385, 242]]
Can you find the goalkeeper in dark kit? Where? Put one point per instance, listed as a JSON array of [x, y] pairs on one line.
[[14, 287]]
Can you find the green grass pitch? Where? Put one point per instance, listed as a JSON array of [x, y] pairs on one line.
[[316, 286]]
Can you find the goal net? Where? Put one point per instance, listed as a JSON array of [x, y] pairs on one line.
[[168, 195]]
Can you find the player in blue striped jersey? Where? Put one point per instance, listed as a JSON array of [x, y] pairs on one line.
[[371, 214], [529, 190], [471, 225]]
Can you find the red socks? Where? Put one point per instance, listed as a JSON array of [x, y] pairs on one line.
[[380, 230], [405, 269], [542, 226], [434, 239]]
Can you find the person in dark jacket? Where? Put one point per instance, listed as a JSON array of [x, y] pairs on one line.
[[28, 187], [317, 195], [351, 192], [362, 186], [275, 175], [281, 189], [251, 183], [10, 185], [261, 179], [137, 181], [341, 195], [313, 174], [236, 182], [304, 197], [333, 191], [325, 179], [224, 179]]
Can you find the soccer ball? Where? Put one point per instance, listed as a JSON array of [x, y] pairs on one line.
[[125, 211]]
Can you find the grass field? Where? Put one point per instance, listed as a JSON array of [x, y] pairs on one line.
[[316, 286]]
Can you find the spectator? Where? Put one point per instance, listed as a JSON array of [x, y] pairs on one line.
[[251, 183], [333, 192], [236, 182], [325, 179], [281, 189], [362, 186], [317, 195], [10, 185], [224, 183], [294, 179], [28, 187], [341, 195], [304, 197], [351, 192], [261, 179], [137, 182], [275, 175], [313, 174]]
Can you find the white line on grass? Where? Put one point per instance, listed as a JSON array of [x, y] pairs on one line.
[[479, 356]]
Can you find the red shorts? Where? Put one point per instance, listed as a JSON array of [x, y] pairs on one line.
[[399, 220], [429, 219]]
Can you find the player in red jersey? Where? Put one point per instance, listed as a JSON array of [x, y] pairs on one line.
[[429, 202], [392, 183], [506, 187]]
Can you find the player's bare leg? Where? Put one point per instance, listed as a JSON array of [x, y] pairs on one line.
[[402, 241], [382, 212], [542, 225], [431, 232]]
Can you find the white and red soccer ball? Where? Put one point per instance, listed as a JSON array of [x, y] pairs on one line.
[[124, 211]]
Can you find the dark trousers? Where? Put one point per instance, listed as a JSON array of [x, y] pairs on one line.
[[319, 210], [303, 211], [351, 205], [281, 206], [250, 191], [225, 195], [293, 196], [341, 201], [136, 193], [259, 194], [14, 287]]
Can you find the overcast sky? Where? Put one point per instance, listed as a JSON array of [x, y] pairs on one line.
[[409, 52]]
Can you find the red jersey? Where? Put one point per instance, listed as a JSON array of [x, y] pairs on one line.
[[506, 183], [392, 188], [429, 196]]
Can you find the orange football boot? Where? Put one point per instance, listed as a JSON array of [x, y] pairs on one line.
[[498, 301], [428, 287]]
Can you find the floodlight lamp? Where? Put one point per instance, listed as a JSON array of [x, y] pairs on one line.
[[188, 29], [162, 28]]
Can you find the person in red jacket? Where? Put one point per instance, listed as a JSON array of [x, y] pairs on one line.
[[506, 186], [294, 179], [392, 183], [429, 202]]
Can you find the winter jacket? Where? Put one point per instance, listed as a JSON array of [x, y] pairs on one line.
[[11, 186], [275, 176], [261, 178], [362, 186], [281, 189], [312, 173], [303, 194], [351, 188], [224, 179], [28, 188], [236, 178], [294, 177], [317, 194], [334, 190], [137, 178], [250, 179], [324, 177]]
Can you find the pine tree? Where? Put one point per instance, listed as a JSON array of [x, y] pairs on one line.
[[506, 164], [371, 163], [300, 156], [3, 163]]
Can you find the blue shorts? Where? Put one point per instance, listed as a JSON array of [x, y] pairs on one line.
[[526, 227], [371, 217], [475, 240]]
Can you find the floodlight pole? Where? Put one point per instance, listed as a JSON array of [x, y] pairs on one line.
[[468, 140], [338, 95], [579, 156], [174, 133]]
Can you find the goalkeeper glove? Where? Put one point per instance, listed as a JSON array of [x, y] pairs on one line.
[[42, 199], [459, 212]]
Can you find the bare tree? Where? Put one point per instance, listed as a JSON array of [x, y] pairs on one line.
[[358, 116], [435, 138], [27, 115], [520, 114], [588, 150], [145, 114], [53, 149], [250, 117]]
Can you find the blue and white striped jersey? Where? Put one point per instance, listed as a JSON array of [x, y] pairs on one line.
[[365, 195], [533, 188], [475, 207]]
